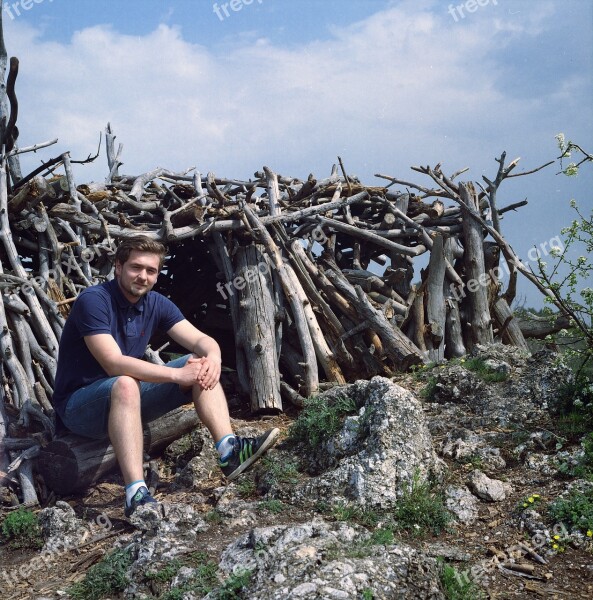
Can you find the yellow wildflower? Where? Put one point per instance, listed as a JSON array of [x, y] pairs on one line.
[[589, 533], [555, 546], [531, 499], [556, 537]]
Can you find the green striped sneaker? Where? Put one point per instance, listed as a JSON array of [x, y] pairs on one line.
[[245, 452]]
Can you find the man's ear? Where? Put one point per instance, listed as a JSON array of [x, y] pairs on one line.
[[117, 267]]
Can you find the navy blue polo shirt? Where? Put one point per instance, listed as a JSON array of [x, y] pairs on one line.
[[104, 309]]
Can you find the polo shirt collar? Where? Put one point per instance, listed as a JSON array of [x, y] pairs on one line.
[[121, 300]]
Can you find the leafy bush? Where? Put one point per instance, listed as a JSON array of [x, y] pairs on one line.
[[575, 510], [319, 420], [456, 586], [21, 529], [422, 508]]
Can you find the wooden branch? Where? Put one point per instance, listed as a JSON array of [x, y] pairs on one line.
[[435, 303]]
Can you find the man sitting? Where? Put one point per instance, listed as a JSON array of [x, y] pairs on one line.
[[104, 388]]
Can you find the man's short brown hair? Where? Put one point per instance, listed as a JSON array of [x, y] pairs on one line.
[[141, 243]]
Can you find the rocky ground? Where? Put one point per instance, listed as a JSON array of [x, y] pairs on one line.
[[325, 520]]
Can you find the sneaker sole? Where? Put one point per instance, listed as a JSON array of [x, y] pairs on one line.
[[267, 444]]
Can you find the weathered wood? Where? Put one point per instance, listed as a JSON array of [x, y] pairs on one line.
[[312, 383], [256, 334], [534, 326], [73, 463], [511, 329], [477, 278], [435, 303]]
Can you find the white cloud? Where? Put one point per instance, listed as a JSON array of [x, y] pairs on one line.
[[404, 85]]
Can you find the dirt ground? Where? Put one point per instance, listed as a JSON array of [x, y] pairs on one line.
[[566, 575]]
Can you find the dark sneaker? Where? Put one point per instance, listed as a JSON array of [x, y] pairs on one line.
[[246, 452], [141, 497]]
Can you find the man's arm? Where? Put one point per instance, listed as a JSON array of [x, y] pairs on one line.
[[204, 346], [107, 353]]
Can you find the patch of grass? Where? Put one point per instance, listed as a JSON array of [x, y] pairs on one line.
[[319, 420], [352, 513], [576, 510], [165, 574], [232, 588], [20, 529], [274, 506], [421, 509], [368, 594], [202, 581], [104, 579], [573, 425], [246, 487], [457, 586], [479, 367], [280, 470]]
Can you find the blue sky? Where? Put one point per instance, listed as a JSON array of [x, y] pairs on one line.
[[292, 84]]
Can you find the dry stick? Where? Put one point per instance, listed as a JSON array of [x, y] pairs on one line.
[[273, 192], [311, 384], [371, 237], [38, 317]]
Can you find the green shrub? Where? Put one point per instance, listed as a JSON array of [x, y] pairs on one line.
[[457, 586], [21, 529], [233, 586], [319, 420], [575, 510], [104, 579], [422, 508], [201, 582]]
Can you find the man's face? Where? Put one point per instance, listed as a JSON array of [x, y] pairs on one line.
[[138, 274]]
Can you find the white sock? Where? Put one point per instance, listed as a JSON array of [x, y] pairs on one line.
[[132, 488], [225, 445]]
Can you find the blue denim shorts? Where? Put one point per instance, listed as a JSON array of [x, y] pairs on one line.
[[87, 410]]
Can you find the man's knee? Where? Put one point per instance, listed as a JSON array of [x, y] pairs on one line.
[[125, 389]]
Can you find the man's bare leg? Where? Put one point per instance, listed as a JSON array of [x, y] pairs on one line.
[[125, 428], [213, 411]]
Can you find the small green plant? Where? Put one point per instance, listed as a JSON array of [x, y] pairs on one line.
[[421, 508], [21, 529], [246, 487], [430, 389], [202, 581], [106, 578], [368, 594], [575, 510], [384, 536], [486, 373], [166, 573], [584, 466], [319, 420], [457, 586], [274, 506], [214, 517], [280, 469], [529, 501], [233, 587]]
